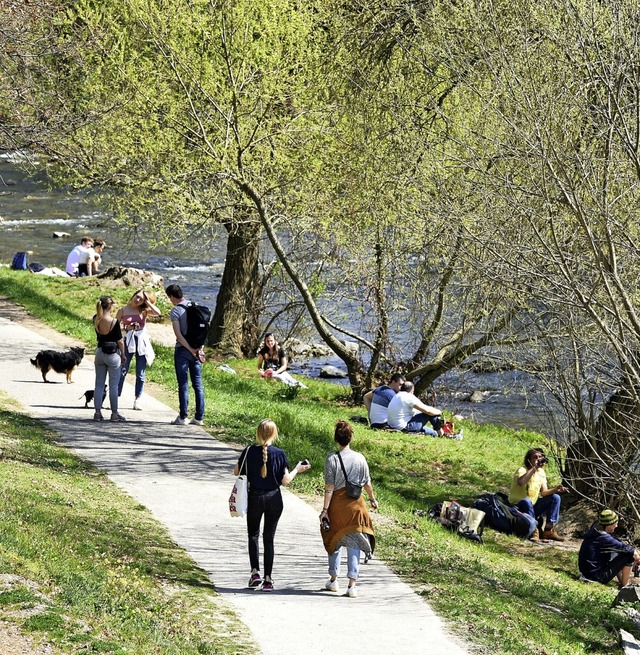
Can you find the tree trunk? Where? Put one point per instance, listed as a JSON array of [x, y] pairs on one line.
[[234, 327]]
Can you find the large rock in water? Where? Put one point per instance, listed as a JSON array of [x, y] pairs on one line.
[[132, 277], [331, 372], [298, 348]]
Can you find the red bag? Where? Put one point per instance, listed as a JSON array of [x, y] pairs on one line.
[[447, 427]]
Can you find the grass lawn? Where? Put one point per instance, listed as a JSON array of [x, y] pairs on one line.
[[506, 596]]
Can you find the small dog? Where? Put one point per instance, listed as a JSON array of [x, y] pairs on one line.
[[88, 396], [60, 362]]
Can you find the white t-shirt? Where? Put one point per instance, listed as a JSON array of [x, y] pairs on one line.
[[86, 254], [74, 259], [401, 410]]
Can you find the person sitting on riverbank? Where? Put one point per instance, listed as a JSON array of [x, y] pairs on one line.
[[73, 259], [273, 362], [406, 412], [377, 401], [602, 557], [90, 259], [530, 494]]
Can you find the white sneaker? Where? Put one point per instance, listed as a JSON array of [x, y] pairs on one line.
[[352, 592], [197, 421], [332, 585], [136, 406], [180, 421]]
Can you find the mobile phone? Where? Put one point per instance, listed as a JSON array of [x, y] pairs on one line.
[[305, 462]]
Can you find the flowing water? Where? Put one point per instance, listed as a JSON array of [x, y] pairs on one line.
[[30, 214]]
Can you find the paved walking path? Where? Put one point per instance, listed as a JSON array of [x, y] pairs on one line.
[[183, 475]]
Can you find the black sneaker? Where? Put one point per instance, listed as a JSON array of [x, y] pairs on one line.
[[267, 585], [255, 580]]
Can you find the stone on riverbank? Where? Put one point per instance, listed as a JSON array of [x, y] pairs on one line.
[[132, 277], [332, 372], [296, 347]]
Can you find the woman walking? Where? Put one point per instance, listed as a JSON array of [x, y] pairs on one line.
[[344, 520], [133, 317], [109, 358], [266, 468]]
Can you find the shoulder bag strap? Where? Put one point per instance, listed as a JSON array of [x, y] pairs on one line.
[[346, 479], [244, 459]]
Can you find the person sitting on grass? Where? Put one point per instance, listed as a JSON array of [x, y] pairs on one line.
[[530, 494], [273, 362], [602, 557], [377, 401], [406, 412]]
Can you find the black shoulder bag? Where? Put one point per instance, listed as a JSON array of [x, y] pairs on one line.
[[353, 490]]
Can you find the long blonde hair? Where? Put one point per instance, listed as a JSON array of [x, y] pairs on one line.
[[266, 434]]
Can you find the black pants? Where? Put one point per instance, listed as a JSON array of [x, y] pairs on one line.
[[611, 570], [267, 504]]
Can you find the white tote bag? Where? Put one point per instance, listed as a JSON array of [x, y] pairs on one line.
[[239, 498]]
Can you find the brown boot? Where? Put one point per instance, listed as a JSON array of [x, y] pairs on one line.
[[552, 535], [534, 536]]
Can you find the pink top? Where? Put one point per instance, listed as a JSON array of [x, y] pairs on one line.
[[129, 319]]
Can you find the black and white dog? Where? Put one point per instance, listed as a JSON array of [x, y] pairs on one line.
[[60, 362]]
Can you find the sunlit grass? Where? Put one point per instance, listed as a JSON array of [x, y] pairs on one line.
[[510, 596], [90, 569]]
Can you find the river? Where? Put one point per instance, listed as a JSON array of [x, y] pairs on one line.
[[30, 214]]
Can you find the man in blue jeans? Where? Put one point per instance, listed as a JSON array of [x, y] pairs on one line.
[[531, 495], [408, 413], [186, 360]]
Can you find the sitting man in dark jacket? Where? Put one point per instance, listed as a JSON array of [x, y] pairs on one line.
[[602, 557]]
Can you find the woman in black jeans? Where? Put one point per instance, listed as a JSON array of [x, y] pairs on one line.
[[266, 468]]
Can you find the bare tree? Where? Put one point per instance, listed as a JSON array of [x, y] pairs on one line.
[[561, 170]]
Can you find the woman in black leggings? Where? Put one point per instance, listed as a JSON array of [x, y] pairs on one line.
[[266, 468]]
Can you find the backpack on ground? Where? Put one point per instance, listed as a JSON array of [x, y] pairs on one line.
[[502, 516], [198, 319], [468, 522], [19, 262]]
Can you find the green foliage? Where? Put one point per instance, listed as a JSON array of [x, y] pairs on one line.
[[508, 595]]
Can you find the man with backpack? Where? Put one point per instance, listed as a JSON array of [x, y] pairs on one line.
[[189, 341]]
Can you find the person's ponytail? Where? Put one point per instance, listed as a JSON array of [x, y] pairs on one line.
[[265, 454], [267, 433]]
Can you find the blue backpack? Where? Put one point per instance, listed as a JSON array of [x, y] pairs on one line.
[[19, 262], [502, 516]]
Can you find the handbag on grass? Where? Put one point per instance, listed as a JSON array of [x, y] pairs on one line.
[[239, 498], [353, 490], [466, 521]]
